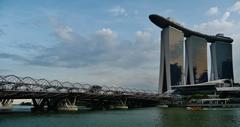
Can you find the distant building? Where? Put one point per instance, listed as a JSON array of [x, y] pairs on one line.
[[222, 63]]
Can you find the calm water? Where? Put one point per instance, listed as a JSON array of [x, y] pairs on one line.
[[146, 117]]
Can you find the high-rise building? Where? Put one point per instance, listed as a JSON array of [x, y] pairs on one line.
[[172, 72], [196, 70], [222, 64], [171, 61]]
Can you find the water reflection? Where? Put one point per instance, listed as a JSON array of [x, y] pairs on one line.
[[143, 117], [180, 117]]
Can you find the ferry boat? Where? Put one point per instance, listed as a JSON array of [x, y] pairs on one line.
[[198, 104]]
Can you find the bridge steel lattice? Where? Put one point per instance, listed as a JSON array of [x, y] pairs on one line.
[[51, 93]]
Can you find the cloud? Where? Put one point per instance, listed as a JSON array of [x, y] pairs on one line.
[[226, 15], [221, 25], [212, 11], [5, 70], [102, 55], [13, 57], [143, 36], [102, 48], [236, 7], [64, 32], [118, 11], [168, 11], [106, 34], [2, 32], [230, 27]]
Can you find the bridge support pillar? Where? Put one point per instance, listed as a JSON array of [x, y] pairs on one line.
[[39, 104], [67, 105], [6, 104], [50, 104], [120, 104]]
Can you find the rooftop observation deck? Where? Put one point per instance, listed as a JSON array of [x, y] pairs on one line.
[[164, 22]]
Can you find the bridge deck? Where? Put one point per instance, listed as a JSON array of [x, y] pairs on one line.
[[14, 87]]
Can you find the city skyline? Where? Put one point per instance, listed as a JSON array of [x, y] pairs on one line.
[[112, 44]]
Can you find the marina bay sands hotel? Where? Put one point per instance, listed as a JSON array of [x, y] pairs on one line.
[[183, 58]]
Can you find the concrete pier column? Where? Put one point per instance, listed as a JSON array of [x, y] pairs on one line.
[[6, 104], [67, 105], [120, 104], [39, 104]]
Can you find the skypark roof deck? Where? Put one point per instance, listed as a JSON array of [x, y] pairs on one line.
[[163, 22]]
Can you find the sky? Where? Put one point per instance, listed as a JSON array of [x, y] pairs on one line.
[[105, 42]]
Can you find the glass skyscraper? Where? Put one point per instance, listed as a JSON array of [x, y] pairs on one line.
[[171, 63], [222, 64], [196, 70]]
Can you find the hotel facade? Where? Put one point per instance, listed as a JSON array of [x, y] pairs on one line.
[[183, 56]]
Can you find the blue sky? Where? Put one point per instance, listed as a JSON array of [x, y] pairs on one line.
[[107, 43]]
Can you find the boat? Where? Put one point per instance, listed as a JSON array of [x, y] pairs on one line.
[[197, 104]]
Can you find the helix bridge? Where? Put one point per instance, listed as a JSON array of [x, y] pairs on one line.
[[51, 94]]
